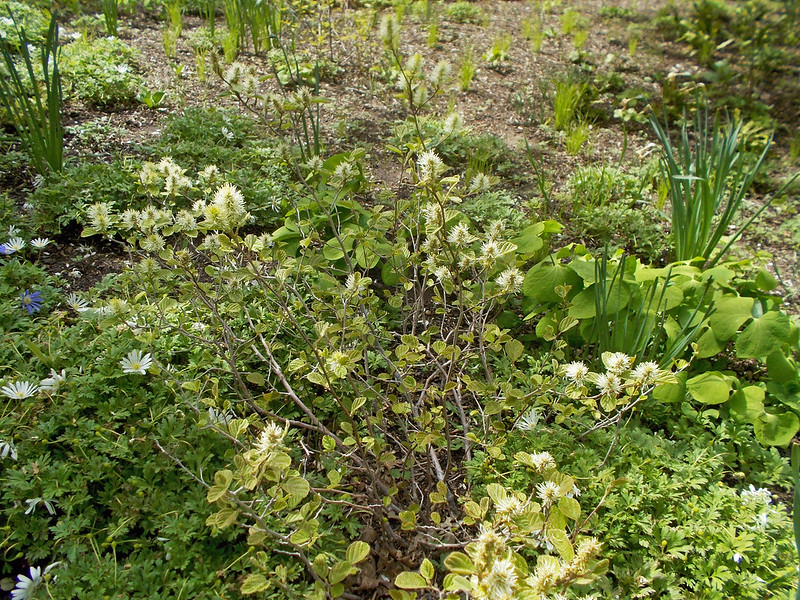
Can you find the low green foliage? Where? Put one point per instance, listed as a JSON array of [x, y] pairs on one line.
[[100, 72], [673, 523], [464, 12]]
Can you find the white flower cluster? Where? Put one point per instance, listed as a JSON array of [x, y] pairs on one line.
[[620, 378]]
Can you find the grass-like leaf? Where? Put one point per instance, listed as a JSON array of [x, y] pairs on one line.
[[35, 109]]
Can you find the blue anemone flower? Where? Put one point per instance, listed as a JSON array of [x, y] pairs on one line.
[[31, 301]]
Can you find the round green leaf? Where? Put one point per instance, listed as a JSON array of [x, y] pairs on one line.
[[541, 281], [776, 429], [356, 552], [709, 388]]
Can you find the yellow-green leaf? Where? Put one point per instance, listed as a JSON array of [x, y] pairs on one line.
[[356, 552], [410, 581], [255, 583]]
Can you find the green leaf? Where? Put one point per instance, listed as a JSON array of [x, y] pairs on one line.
[[296, 487], [256, 378], [426, 570], [766, 281], [339, 571], [356, 552], [570, 507], [496, 492], [255, 583], [514, 349], [541, 281], [711, 387], [410, 581], [747, 404], [780, 368], [460, 563], [584, 305], [456, 583], [776, 429], [763, 336], [529, 240], [560, 540], [731, 312]]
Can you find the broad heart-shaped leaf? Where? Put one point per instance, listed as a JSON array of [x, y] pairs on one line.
[[730, 313], [356, 552], [780, 368], [747, 404], [254, 583], [530, 239], [541, 281], [763, 336], [672, 392], [708, 345], [584, 305], [776, 429], [410, 581], [711, 387]]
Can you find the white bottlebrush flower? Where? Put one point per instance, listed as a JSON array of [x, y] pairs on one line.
[[490, 251], [40, 243], [8, 450], [429, 166], [501, 582], [432, 213], [528, 421], [390, 32], [152, 243], [646, 373], [548, 493], [617, 362], [269, 440], [577, 372], [509, 507], [15, 244], [454, 123], [19, 390], [480, 183], [542, 461], [53, 383], [609, 384], [460, 235], [99, 215], [136, 362], [510, 280]]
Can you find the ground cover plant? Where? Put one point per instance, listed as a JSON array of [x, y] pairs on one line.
[[405, 299]]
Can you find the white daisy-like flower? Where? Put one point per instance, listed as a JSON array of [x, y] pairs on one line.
[[53, 383], [15, 244], [548, 493], [510, 280], [576, 371], [19, 390], [617, 362], [40, 243], [13, 230], [609, 384], [8, 450], [754, 495], [136, 362], [646, 373], [25, 589], [76, 303]]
